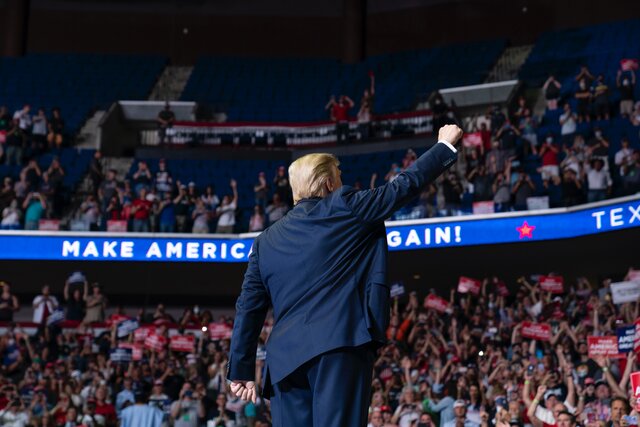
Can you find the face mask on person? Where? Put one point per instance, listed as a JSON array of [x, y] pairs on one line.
[[625, 82], [549, 140], [598, 134]]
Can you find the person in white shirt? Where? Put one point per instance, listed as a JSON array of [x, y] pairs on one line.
[[568, 124], [23, 117], [39, 131], [598, 180], [624, 156], [44, 305], [13, 416], [227, 211]]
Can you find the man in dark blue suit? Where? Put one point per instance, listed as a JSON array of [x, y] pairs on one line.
[[322, 268]]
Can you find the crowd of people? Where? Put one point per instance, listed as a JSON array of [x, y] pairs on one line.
[[509, 162], [25, 135], [154, 201], [468, 361], [36, 195]]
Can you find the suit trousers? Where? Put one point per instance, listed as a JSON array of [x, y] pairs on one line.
[[331, 390]]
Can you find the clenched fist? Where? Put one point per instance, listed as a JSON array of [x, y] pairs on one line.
[[450, 133]]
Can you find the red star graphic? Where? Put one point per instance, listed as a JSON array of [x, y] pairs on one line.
[[525, 230]]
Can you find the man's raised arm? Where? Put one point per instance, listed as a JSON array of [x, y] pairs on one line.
[[380, 203]]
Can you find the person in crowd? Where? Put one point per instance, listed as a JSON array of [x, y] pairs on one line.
[[141, 209], [340, 115], [583, 101], [183, 206], [108, 188], [14, 143], [11, 216], [200, 217], [258, 220], [73, 297], [166, 118], [598, 181], [55, 136], [549, 155], [34, 207], [261, 190], [631, 181], [276, 210], [8, 303], [624, 156], [551, 89], [43, 306], [188, 408], [626, 81], [90, 212], [95, 304], [210, 199], [598, 147], [141, 414], [600, 93], [365, 113], [142, 177], [166, 211], [522, 190], [39, 132], [96, 174], [568, 124], [163, 180], [226, 212]]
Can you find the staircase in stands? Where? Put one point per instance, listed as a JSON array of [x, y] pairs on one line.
[[507, 66], [171, 83]]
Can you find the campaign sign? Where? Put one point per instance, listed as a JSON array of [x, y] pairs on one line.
[[436, 303], [469, 285], [56, 317], [121, 355], [126, 327], [397, 290], [219, 331], [136, 350], [635, 386], [143, 332], [606, 346], [536, 331], [473, 139], [155, 342], [622, 292], [502, 289], [626, 338], [185, 343], [552, 284], [116, 318]]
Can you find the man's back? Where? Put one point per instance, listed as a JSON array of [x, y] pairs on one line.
[[315, 264], [323, 269]]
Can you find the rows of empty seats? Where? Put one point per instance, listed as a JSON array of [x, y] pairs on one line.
[[600, 47], [250, 89], [77, 83]]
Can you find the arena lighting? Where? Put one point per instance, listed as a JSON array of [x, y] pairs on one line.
[[512, 227]]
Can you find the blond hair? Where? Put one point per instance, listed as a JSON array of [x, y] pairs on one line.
[[309, 174]]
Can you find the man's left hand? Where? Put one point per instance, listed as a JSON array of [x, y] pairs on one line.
[[245, 390]]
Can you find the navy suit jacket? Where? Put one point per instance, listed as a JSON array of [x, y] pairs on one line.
[[322, 268]]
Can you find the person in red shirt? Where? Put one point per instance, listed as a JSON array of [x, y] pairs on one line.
[[549, 155], [340, 115], [104, 408], [140, 211]]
